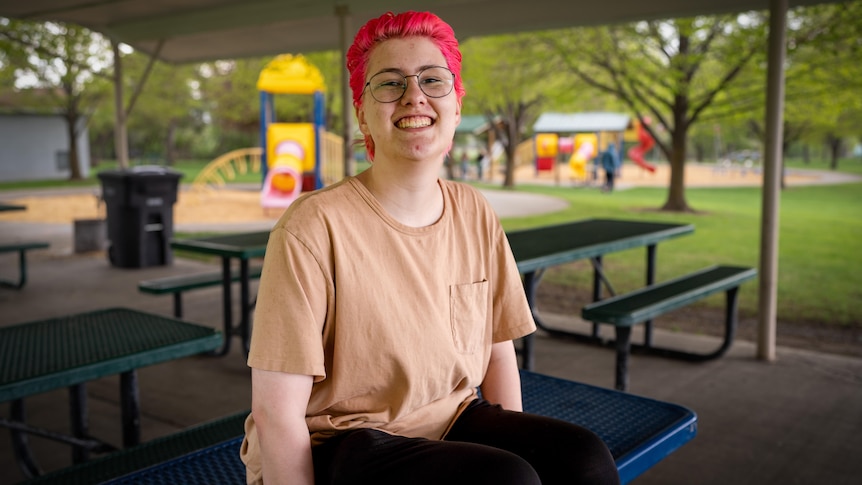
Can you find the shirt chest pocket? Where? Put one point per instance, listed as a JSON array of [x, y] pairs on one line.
[[468, 308]]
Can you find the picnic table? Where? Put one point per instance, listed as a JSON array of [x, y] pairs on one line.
[[20, 247], [535, 250], [242, 247], [69, 351], [539, 248]]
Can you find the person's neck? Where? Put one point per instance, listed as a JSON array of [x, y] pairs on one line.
[[413, 199]]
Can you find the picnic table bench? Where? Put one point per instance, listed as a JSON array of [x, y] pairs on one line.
[[639, 432], [642, 305], [177, 284], [21, 248]]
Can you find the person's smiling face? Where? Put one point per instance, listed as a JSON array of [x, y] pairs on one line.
[[416, 127]]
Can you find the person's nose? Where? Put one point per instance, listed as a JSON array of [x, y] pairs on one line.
[[412, 93]]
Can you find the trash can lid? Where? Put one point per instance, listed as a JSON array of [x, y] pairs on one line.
[[156, 169], [140, 171]]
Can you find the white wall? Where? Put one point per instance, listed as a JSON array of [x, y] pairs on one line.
[[31, 147]]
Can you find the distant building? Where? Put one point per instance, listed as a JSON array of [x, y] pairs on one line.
[[36, 147], [34, 139]]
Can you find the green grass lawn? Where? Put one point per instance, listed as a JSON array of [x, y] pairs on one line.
[[820, 240]]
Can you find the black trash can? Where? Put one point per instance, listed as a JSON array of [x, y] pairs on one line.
[[140, 207]]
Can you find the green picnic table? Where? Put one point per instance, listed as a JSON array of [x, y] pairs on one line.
[[69, 351], [537, 249], [242, 247]]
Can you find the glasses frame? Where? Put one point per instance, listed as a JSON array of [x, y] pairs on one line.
[[404, 84]]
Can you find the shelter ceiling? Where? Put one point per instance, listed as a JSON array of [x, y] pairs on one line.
[[200, 30]]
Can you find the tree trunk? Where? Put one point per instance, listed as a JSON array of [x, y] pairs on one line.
[[676, 192], [511, 144], [170, 143], [834, 152], [74, 164], [509, 175]]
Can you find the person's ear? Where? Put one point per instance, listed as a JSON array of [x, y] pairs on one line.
[[360, 119]]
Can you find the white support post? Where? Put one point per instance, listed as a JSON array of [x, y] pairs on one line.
[[773, 157]]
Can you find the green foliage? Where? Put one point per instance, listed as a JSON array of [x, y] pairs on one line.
[[59, 63]]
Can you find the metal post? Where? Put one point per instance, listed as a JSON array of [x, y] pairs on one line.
[[343, 13], [771, 178], [121, 140]]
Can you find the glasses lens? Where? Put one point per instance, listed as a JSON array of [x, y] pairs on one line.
[[436, 82], [388, 87]]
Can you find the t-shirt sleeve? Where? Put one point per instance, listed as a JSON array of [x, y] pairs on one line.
[[291, 309]]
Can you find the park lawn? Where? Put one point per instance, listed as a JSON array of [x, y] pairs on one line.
[[820, 239]]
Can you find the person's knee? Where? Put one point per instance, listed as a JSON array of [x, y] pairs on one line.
[[507, 469], [589, 461]]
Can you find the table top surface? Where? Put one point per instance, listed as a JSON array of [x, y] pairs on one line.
[[243, 245], [545, 246], [59, 352], [533, 248]]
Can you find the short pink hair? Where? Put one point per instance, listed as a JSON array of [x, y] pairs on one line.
[[396, 26]]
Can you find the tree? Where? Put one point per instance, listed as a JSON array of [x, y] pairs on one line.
[[63, 60], [823, 74], [503, 89], [167, 104], [670, 70]]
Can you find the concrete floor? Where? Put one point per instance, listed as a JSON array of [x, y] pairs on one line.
[[795, 421]]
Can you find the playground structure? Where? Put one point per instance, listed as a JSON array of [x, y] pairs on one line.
[[290, 162], [580, 138], [292, 157], [584, 150]]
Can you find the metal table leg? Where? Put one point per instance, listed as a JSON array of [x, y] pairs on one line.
[[21, 442], [130, 406], [227, 307], [78, 412], [650, 279], [245, 306]]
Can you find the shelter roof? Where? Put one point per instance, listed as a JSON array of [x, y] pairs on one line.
[[581, 122], [181, 31]]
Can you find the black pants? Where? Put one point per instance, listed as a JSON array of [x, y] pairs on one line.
[[486, 445], [609, 180]]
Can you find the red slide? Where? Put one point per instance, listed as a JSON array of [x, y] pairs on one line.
[[636, 153]]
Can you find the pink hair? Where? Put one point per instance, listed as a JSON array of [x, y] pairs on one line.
[[395, 26]]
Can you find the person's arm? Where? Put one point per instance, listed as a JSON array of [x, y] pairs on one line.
[[502, 384], [279, 403]]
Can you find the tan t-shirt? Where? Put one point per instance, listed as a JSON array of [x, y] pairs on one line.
[[395, 323]]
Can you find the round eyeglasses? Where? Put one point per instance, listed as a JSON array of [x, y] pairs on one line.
[[390, 86]]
